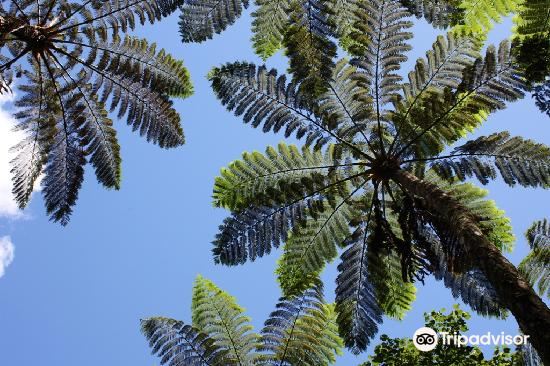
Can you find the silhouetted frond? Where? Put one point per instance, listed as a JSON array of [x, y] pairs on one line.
[[519, 161], [301, 331], [217, 314], [395, 296], [265, 99], [179, 344], [439, 13], [200, 19], [253, 232], [542, 97], [358, 308], [536, 266], [471, 286]]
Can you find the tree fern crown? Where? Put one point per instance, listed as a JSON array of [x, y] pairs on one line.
[[74, 64], [370, 141]]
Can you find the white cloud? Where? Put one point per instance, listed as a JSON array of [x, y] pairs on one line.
[[6, 253], [8, 138]]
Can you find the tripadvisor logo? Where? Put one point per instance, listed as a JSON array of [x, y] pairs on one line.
[[426, 339]]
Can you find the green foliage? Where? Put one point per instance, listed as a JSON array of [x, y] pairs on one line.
[[301, 331], [532, 34], [536, 266], [344, 192], [478, 16], [401, 351], [308, 47], [74, 66], [217, 314], [310, 246]]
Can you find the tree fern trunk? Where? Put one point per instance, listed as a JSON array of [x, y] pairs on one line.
[[515, 293]]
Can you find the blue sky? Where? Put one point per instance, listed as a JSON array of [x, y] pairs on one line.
[[75, 295]]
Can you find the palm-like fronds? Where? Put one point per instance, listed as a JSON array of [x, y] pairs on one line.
[[542, 97], [199, 19], [301, 331], [519, 161], [535, 266], [478, 16], [378, 196], [439, 13], [179, 344], [532, 34], [75, 65]]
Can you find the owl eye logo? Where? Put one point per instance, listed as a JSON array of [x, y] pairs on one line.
[[425, 339]]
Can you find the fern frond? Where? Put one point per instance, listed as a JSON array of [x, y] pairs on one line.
[[137, 60], [179, 344], [114, 15], [301, 331], [217, 314], [486, 86], [64, 174], [479, 16], [347, 103], [542, 97], [357, 306], [536, 266], [491, 220], [439, 13], [309, 47], [265, 99], [312, 245], [471, 286], [395, 296], [38, 122], [254, 232], [342, 13], [200, 19], [519, 161], [380, 43], [246, 181], [269, 24]]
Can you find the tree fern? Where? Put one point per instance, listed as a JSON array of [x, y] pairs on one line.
[[535, 265], [75, 65], [385, 139], [301, 331]]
